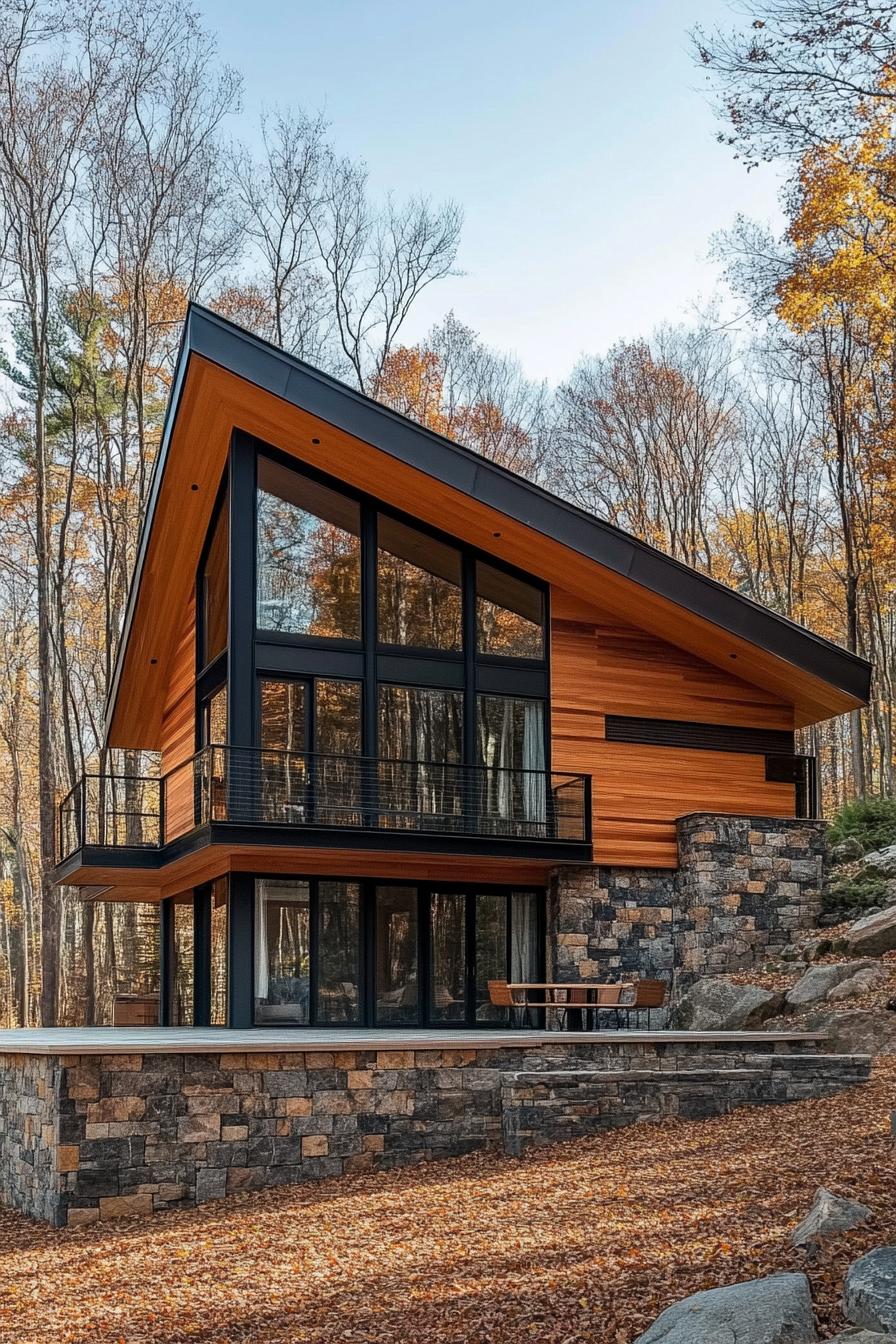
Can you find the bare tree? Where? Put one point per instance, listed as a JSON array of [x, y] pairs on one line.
[[796, 73], [642, 436]]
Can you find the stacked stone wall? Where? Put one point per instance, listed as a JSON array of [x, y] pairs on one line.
[[541, 1108], [121, 1135], [743, 888]]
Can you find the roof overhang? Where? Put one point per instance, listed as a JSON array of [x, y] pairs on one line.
[[227, 379]]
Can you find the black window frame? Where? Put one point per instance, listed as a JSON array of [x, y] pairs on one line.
[[367, 1018], [280, 655]]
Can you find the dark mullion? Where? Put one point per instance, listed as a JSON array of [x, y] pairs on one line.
[[424, 956], [370, 688], [166, 949], [313, 949], [202, 956], [470, 903]]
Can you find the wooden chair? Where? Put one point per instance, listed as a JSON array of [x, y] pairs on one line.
[[501, 996], [649, 994]]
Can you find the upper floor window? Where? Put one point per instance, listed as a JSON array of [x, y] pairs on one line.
[[419, 593], [215, 587], [509, 614], [309, 556]]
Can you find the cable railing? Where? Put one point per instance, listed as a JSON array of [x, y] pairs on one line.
[[259, 787]]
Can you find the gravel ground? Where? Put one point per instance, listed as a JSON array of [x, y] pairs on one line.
[[582, 1242]]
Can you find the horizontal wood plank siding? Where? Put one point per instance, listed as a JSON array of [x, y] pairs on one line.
[[600, 666], [179, 728]]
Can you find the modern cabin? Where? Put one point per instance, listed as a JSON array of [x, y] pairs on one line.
[[396, 692]]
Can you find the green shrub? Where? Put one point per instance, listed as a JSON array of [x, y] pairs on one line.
[[848, 897], [871, 821]]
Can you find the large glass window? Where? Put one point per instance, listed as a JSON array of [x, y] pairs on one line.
[[282, 951], [448, 956], [182, 978], [215, 588], [418, 724], [421, 737], [309, 556], [509, 614], [491, 953], [397, 986], [219, 958], [284, 741], [418, 588], [510, 734], [338, 952]]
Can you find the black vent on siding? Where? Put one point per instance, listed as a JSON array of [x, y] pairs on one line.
[[702, 736]]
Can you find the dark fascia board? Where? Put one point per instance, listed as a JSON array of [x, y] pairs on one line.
[[222, 342]]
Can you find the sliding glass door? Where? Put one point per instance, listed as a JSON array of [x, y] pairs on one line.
[[332, 952]]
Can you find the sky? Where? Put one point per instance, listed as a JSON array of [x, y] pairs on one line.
[[577, 135]]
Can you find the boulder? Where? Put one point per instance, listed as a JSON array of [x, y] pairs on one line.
[[815, 948], [869, 1292], [714, 1004], [861, 983], [882, 861], [818, 982], [873, 934], [830, 1216], [847, 850], [856, 1031], [762, 1311]]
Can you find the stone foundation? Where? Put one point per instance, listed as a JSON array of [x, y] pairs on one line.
[[743, 888], [102, 1136]]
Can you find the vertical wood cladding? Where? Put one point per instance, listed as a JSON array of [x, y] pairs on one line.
[[600, 667], [179, 728]]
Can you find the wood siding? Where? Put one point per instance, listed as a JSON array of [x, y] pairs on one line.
[[600, 666], [179, 728]]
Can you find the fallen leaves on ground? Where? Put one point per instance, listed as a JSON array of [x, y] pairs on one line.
[[585, 1241]]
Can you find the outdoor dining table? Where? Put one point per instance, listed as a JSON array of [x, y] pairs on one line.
[[556, 995]]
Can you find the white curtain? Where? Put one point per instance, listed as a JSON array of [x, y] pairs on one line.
[[524, 931], [533, 760], [262, 982]]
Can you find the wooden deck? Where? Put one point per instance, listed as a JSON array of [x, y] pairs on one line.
[[222, 1040]]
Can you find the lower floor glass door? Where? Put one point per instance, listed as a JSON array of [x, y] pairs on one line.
[[331, 952]]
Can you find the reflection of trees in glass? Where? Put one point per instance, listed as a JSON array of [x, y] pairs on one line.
[[491, 953], [309, 556], [509, 615], [338, 951], [219, 954], [182, 963], [421, 732], [418, 589], [511, 740], [396, 954], [448, 955]]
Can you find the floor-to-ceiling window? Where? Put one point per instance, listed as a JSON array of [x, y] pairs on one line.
[[181, 1005], [379, 640], [331, 952]]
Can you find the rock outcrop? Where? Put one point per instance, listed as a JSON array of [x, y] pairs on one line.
[[869, 1293], [716, 1004], [777, 1310], [830, 1216], [874, 934]]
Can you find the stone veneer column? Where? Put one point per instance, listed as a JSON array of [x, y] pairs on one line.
[[744, 887]]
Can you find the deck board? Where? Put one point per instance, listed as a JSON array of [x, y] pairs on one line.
[[223, 1040]]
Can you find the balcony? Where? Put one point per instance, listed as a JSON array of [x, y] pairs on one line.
[[252, 796]]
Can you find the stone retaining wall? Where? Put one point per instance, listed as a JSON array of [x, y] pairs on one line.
[[107, 1136], [541, 1108], [743, 887]]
